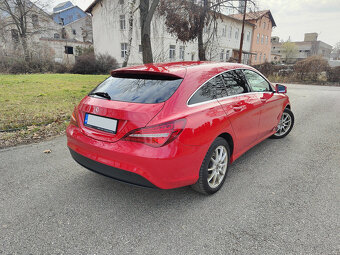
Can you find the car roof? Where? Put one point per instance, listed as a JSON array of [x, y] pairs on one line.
[[178, 69]]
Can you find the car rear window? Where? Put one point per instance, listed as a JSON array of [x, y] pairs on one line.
[[137, 90]]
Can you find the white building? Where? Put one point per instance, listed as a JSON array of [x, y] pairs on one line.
[[110, 36], [46, 39]]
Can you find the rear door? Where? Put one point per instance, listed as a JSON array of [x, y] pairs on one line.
[[271, 103], [242, 109], [129, 103]]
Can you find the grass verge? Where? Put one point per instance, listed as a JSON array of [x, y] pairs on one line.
[[37, 106]]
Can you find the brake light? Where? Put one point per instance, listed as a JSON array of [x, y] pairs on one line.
[[158, 135], [74, 117]]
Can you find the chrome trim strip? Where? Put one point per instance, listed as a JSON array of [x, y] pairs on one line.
[[210, 101], [222, 98]]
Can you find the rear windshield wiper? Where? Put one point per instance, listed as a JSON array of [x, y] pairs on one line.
[[101, 94]]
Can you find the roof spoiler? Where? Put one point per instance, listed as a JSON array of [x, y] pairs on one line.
[[143, 74]]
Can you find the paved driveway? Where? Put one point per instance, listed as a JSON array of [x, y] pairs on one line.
[[280, 197]]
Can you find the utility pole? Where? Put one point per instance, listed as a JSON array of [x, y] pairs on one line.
[[242, 33]]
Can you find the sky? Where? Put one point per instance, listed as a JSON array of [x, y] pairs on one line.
[[293, 18]]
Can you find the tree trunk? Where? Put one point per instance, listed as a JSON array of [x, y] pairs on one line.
[[201, 47], [25, 48], [146, 15], [131, 12]]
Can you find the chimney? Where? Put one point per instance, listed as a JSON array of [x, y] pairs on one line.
[[311, 37]]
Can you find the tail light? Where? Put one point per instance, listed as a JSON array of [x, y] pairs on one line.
[[74, 117], [158, 135]]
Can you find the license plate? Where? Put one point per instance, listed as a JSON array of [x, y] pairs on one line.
[[101, 123]]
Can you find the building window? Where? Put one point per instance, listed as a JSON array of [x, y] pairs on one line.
[[181, 52], [172, 52], [74, 31], [222, 55], [140, 49], [224, 31], [15, 35], [264, 57], [56, 36], [69, 50], [255, 57], [227, 55], [122, 22], [121, 1], [248, 36], [267, 39], [236, 33], [123, 49], [262, 39], [35, 21], [260, 57], [264, 25], [258, 38], [230, 32]]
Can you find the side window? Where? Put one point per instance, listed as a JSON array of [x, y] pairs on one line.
[[234, 83], [256, 81], [209, 91]]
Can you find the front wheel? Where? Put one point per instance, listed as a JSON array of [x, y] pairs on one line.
[[285, 125], [214, 168]]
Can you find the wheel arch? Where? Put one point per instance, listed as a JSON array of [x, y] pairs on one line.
[[230, 141], [288, 106]]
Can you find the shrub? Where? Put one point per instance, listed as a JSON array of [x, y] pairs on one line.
[[85, 64], [266, 68], [334, 74], [105, 63], [310, 68], [91, 64], [61, 68]]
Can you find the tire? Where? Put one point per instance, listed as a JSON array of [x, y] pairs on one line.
[[218, 149], [287, 119]]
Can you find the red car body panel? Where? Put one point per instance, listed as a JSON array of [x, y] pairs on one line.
[[246, 118]]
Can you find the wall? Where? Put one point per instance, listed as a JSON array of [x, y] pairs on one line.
[[262, 48], [57, 49]]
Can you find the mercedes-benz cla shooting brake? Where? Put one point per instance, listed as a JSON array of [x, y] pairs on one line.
[[176, 124]]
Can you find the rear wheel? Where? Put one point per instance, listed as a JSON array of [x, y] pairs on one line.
[[214, 168], [285, 125]]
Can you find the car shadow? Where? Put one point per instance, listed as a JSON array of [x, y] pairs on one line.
[[101, 189]]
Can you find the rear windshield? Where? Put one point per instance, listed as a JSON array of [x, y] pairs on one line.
[[147, 91]]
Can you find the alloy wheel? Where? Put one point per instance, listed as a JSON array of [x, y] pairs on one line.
[[284, 125], [217, 166]]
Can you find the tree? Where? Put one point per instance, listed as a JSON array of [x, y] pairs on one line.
[[290, 50], [21, 19], [336, 51], [147, 11], [132, 10], [188, 19]]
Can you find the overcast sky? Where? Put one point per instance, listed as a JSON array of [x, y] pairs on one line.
[[293, 17]]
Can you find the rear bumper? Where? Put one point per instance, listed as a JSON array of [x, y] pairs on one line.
[[109, 171], [172, 166]]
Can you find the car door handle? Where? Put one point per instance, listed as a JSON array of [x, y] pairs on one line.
[[237, 108], [263, 99]]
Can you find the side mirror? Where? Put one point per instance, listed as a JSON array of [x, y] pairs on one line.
[[280, 89]]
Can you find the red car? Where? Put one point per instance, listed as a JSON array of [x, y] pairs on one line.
[[176, 124]]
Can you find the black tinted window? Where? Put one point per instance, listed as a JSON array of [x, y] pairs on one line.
[[209, 91], [234, 82], [256, 81], [148, 91]]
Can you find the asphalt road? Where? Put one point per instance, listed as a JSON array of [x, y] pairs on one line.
[[281, 197]]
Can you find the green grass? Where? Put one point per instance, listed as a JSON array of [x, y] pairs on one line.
[[33, 101]]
